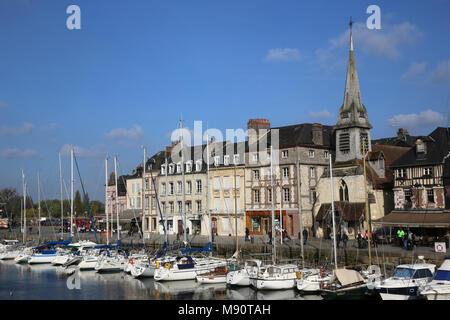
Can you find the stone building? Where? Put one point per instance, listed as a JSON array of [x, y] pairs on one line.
[[303, 148], [227, 191]]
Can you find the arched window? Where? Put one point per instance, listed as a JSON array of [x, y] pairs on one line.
[[343, 191]]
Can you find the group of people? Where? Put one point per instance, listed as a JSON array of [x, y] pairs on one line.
[[406, 239]]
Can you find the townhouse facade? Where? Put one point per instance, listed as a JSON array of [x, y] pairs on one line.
[[303, 151]]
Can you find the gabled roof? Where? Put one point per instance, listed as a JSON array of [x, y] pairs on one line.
[[437, 147]]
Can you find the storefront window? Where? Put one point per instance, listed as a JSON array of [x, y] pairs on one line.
[[256, 224]]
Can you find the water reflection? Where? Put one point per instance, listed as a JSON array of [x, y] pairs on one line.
[[47, 282]]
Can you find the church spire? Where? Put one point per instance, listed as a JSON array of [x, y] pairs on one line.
[[352, 112]]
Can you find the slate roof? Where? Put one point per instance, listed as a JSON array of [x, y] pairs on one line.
[[300, 135], [437, 147]]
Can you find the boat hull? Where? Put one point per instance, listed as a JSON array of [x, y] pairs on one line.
[[239, 278], [272, 284], [41, 258], [357, 292]]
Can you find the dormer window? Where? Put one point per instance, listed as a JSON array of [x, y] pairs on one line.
[[344, 115], [216, 161], [179, 167], [171, 168], [163, 169], [198, 165], [236, 159], [420, 146], [189, 166], [285, 154], [361, 114], [256, 157], [226, 160]]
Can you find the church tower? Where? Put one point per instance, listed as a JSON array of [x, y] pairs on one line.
[[352, 128]]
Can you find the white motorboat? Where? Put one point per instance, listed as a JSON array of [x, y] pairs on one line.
[[62, 258], [405, 282], [187, 268], [22, 257], [114, 263], [242, 277], [9, 254], [311, 281], [439, 287], [276, 277]]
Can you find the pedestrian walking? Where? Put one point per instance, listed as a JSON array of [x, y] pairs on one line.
[[270, 237], [359, 239], [344, 240], [305, 236], [247, 234]]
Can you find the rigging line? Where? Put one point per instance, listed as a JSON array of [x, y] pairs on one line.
[[128, 196], [48, 212], [85, 199]]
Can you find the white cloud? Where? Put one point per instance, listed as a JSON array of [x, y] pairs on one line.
[[12, 153], [13, 131], [428, 118], [121, 133], [386, 42], [414, 70], [320, 115], [51, 126], [442, 73], [283, 55], [82, 152]]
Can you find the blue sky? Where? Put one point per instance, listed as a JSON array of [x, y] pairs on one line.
[[136, 67]]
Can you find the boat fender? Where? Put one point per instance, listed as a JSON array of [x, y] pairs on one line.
[[157, 265], [167, 265], [299, 275], [131, 261]]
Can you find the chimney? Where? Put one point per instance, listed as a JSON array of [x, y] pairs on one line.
[[402, 133], [257, 128], [317, 133]]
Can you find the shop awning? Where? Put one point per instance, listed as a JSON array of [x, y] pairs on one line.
[[415, 219], [350, 211]]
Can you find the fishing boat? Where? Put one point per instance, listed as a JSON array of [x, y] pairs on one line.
[[242, 277], [345, 284], [276, 277], [405, 281], [311, 281], [439, 287]]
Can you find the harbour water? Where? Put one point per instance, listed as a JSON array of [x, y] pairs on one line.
[[46, 282]]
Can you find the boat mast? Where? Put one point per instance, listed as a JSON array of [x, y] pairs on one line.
[[166, 210], [300, 211], [71, 193], [61, 196], [117, 207], [24, 226], [182, 173], [39, 206], [144, 218], [235, 215], [332, 212], [106, 200], [208, 211], [367, 204], [274, 251]]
